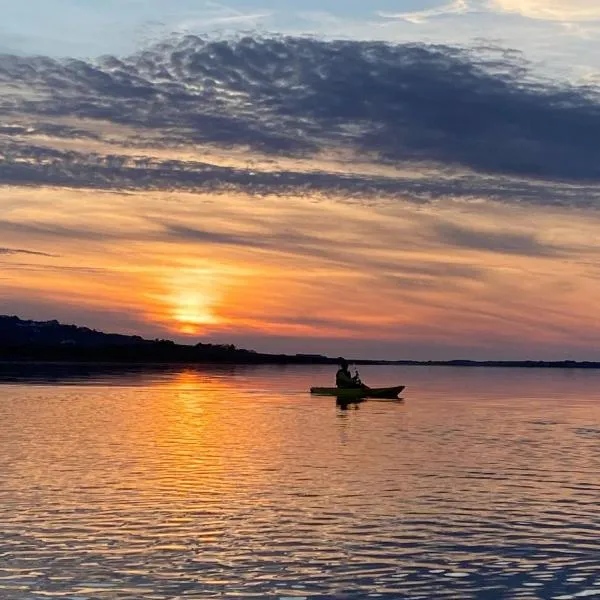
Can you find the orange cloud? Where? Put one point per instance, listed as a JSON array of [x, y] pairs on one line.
[[225, 267]]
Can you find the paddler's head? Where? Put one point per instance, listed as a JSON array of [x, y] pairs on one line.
[[343, 363]]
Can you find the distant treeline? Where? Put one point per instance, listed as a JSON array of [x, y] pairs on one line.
[[159, 352], [22, 340]]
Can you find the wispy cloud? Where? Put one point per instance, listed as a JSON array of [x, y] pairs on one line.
[[49, 229], [551, 10], [216, 15], [494, 240], [457, 7], [10, 251], [448, 274]]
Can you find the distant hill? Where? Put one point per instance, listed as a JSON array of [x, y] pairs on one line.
[[53, 341], [17, 331]]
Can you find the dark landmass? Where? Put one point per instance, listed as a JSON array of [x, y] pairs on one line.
[[53, 342]]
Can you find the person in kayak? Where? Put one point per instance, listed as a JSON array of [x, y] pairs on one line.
[[343, 377]]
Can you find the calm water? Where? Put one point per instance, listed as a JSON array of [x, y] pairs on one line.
[[235, 483]]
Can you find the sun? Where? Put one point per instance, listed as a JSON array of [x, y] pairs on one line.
[[192, 311]]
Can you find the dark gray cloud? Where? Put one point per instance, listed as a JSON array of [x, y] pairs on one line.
[[50, 129], [28, 164], [412, 102]]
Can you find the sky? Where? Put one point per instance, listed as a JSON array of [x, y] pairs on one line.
[[392, 179]]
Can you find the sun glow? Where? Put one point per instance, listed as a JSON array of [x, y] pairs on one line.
[[192, 310]]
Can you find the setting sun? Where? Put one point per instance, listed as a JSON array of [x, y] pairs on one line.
[[191, 310]]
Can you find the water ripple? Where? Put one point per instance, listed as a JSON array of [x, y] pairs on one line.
[[236, 484]]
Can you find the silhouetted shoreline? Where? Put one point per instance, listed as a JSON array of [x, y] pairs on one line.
[[51, 342], [50, 356]]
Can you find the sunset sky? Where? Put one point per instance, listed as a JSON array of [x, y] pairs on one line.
[[387, 179]]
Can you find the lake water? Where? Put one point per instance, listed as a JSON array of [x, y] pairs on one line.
[[235, 483]]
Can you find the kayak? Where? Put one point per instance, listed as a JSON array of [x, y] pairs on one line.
[[350, 393]]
